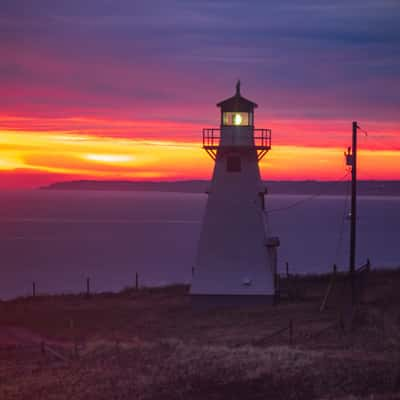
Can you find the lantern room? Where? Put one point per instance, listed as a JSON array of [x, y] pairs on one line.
[[237, 129], [237, 111]]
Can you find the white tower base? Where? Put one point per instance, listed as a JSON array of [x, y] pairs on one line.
[[236, 260]]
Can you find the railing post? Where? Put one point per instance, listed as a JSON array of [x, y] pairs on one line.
[[137, 281], [33, 289]]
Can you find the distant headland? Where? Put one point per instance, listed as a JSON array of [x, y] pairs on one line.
[[371, 188]]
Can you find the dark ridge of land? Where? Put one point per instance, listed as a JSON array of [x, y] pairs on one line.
[[150, 344], [370, 188], [196, 186]]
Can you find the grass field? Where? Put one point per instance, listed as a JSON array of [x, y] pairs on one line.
[[150, 344]]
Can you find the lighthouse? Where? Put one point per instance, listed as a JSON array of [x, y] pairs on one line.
[[236, 257]]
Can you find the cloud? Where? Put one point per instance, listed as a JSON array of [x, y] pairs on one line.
[[162, 66]]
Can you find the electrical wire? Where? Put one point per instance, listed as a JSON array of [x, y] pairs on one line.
[[343, 219], [379, 140], [302, 201]]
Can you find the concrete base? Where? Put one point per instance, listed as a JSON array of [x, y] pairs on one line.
[[206, 301]]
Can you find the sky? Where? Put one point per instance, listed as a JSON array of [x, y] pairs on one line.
[[108, 89]]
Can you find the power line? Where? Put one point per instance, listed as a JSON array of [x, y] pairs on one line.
[[343, 219], [379, 140], [302, 201]]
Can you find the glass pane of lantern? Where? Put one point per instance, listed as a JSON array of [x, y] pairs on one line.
[[236, 119]]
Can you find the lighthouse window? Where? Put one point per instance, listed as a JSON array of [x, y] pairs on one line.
[[233, 164], [235, 119]]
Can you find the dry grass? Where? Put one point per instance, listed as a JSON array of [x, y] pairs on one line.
[[151, 345]]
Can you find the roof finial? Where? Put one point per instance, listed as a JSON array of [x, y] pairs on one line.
[[238, 88]]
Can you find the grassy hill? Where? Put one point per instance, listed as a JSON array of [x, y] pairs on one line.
[[150, 344]]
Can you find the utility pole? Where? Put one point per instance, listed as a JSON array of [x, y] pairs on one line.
[[353, 215]]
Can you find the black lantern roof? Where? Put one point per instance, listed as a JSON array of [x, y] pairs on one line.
[[237, 102]]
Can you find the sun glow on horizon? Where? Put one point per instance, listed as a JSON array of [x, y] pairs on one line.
[[57, 152], [109, 158]]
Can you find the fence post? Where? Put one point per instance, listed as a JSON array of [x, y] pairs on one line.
[[33, 289], [291, 332], [137, 281], [76, 350], [87, 287], [288, 282], [341, 323], [277, 287]]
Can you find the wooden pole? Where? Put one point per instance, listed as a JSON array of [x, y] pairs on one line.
[[33, 289], [353, 215], [137, 281], [287, 269], [328, 291]]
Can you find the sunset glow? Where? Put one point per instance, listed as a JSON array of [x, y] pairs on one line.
[[95, 93], [59, 155], [109, 158]]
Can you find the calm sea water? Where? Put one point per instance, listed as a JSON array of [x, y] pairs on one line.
[[59, 238]]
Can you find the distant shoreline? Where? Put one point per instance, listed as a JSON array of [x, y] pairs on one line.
[[365, 188]]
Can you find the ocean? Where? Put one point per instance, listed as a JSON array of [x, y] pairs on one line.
[[60, 238]]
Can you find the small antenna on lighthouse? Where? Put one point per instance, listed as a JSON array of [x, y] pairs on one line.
[[238, 88]]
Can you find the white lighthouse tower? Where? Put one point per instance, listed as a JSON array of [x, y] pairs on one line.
[[236, 259]]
